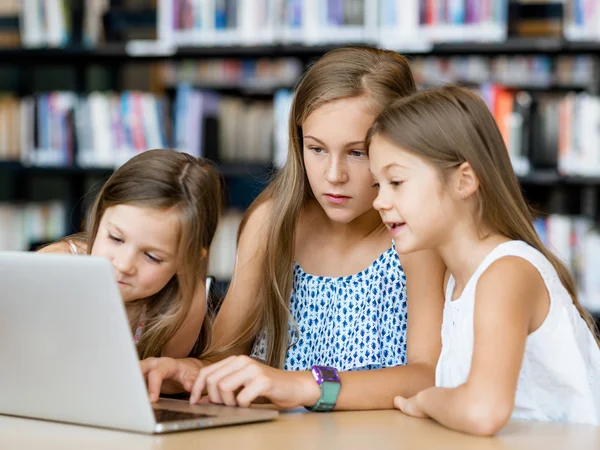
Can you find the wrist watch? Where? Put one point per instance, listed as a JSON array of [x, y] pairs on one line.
[[328, 380]]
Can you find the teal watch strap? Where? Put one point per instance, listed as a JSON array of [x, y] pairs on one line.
[[330, 388]]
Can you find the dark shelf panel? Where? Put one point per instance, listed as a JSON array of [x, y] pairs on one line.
[[517, 46], [238, 169], [111, 53], [551, 177], [16, 167]]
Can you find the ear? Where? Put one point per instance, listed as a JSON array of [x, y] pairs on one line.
[[467, 181], [203, 253]]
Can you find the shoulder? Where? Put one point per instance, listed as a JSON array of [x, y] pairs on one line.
[[69, 246], [257, 219], [511, 272], [515, 283]]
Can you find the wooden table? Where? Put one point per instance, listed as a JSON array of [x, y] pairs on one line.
[[299, 430]]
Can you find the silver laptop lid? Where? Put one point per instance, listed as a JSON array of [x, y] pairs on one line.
[[66, 348]]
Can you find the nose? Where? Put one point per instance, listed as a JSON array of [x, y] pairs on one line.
[[124, 262], [381, 202], [336, 171]]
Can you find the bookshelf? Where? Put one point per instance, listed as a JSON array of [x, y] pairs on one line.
[[117, 52], [547, 185]]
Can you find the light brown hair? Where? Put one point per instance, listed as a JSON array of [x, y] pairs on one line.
[[452, 125], [349, 72], [167, 179]]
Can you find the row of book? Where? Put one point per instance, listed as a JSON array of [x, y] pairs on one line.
[[263, 74], [223, 128], [107, 129], [548, 131], [22, 225], [577, 243], [395, 23], [258, 74], [391, 23], [399, 24], [97, 130], [582, 20], [537, 71], [559, 131], [59, 23]]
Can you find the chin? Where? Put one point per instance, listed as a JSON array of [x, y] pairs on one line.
[[341, 216], [405, 246]]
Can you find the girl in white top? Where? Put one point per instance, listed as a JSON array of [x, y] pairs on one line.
[[516, 343]]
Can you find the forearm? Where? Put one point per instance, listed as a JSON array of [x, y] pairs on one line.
[[463, 410], [376, 389]]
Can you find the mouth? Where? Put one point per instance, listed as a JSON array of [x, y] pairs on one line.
[[336, 198], [394, 226]]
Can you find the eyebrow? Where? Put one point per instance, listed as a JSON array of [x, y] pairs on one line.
[[392, 165], [164, 253], [349, 144]]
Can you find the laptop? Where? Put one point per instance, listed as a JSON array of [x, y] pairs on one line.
[[68, 355]]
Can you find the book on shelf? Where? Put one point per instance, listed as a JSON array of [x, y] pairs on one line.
[[9, 26], [582, 20], [577, 243], [222, 128], [224, 247], [21, 225]]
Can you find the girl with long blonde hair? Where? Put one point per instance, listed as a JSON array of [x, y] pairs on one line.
[[319, 286]]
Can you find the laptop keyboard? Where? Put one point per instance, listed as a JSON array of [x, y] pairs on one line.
[[167, 415]]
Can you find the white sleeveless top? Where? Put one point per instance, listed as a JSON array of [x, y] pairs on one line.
[[560, 374]]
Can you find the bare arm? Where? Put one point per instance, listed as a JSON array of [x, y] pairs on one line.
[[376, 389], [504, 312], [182, 343]]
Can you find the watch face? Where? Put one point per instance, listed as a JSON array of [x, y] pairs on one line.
[[325, 374]]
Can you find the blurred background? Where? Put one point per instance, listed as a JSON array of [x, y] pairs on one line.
[[87, 84]]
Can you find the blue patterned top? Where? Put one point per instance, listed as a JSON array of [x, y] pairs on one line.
[[357, 322]]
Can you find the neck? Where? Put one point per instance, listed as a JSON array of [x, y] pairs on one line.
[[464, 248], [363, 226]]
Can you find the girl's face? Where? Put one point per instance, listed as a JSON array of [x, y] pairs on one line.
[[412, 201], [336, 163], [141, 243]]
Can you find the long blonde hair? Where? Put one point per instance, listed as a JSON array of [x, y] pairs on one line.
[[165, 179], [380, 76], [452, 125]]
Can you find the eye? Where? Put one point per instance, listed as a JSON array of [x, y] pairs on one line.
[[317, 150], [114, 238], [376, 185], [358, 153], [153, 259], [396, 183]]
